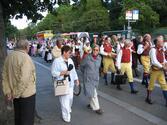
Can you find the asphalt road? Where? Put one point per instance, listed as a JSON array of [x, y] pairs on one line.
[[120, 107]]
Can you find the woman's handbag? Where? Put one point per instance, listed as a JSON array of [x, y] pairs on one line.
[[61, 87]]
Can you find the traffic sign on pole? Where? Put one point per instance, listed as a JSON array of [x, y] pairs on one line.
[[129, 15], [135, 14]]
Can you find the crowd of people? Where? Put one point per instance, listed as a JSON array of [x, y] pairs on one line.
[[103, 54]]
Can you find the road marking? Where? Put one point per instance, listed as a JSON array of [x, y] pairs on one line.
[[141, 113], [139, 80], [46, 67]]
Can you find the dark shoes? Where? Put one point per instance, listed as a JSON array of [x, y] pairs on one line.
[[148, 101], [88, 106], [143, 83], [112, 82], [106, 83], [119, 88], [134, 92], [99, 112]]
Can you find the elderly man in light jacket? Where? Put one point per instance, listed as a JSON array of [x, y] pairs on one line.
[[19, 83]]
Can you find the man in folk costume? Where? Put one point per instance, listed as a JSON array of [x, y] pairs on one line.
[[108, 62], [143, 50], [124, 64], [56, 51], [159, 65]]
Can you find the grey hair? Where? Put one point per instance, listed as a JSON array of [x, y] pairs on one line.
[[96, 46], [22, 44], [127, 41]]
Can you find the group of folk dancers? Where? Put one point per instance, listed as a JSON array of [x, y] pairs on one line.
[[118, 57], [152, 56]]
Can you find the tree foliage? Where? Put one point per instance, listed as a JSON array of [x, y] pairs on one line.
[[77, 17], [148, 10], [8, 9], [10, 30], [145, 13], [159, 6]]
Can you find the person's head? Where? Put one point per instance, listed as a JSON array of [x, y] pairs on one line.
[[159, 41], [114, 38], [139, 39], [59, 42], [22, 45], [147, 37], [66, 51], [122, 39], [106, 40], [87, 43], [95, 51], [128, 43]]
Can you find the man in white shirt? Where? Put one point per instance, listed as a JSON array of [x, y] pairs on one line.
[[106, 51], [159, 65], [124, 64], [143, 50]]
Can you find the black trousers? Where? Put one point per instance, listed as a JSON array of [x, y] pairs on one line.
[[24, 109]]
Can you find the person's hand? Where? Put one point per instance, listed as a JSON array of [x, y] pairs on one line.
[[113, 55], [77, 82], [108, 55], [65, 72], [164, 67], [133, 51], [9, 97], [118, 71], [146, 45]]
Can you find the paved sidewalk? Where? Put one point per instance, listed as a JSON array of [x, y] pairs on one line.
[[114, 114]]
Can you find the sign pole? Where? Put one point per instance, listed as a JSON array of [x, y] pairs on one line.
[[131, 16], [129, 30]]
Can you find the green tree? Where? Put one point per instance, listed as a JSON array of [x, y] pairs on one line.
[[148, 18], [153, 10], [160, 6], [95, 17], [115, 8], [10, 30]]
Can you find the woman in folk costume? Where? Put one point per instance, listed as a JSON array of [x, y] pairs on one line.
[[124, 64], [159, 65], [143, 50], [90, 69], [108, 62], [60, 69]]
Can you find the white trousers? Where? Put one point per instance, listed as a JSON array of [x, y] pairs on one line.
[[94, 102], [66, 105]]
